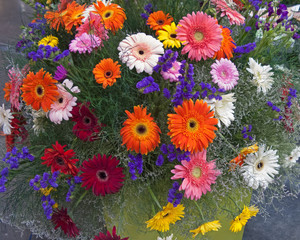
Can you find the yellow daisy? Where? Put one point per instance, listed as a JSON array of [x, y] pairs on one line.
[[168, 36], [162, 220], [49, 40], [240, 221], [252, 211], [206, 227]]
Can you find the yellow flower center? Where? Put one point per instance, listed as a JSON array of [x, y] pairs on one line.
[[198, 36], [192, 125], [40, 90], [196, 172]]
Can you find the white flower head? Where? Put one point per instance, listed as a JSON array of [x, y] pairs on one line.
[[140, 51], [260, 167], [69, 84], [262, 75], [5, 119], [291, 160], [166, 238], [224, 109]]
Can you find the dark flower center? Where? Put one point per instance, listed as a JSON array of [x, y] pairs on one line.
[[108, 74], [86, 120], [192, 124], [60, 161], [141, 52], [102, 175], [141, 129], [60, 100], [260, 165], [173, 35], [39, 91], [160, 22], [167, 214], [107, 15]]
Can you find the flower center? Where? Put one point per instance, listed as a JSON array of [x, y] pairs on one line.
[[60, 100], [196, 172], [60, 161], [173, 35], [259, 166], [86, 120], [102, 175], [108, 74], [141, 129], [141, 52], [39, 89], [223, 74], [108, 14], [198, 36], [160, 22], [165, 214], [192, 125]]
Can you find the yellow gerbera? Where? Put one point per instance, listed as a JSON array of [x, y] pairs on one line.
[[168, 36], [162, 220], [206, 227], [251, 211], [49, 40]]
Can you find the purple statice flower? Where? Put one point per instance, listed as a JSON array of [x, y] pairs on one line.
[[256, 4], [282, 12], [71, 182], [3, 179], [45, 52], [249, 47], [173, 195], [39, 182], [171, 153], [245, 132], [47, 203], [165, 62], [160, 160], [23, 44], [135, 165], [296, 36], [247, 29], [270, 9], [147, 85], [60, 73], [292, 94], [209, 91], [148, 8], [167, 93]]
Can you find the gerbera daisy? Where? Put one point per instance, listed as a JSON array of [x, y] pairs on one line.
[[7, 90], [55, 19], [61, 219], [291, 160], [225, 74], [59, 160], [49, 40], [140, 133], [198, 175], [224, 108], [237, 224], [62, 107], [200, 34], [206, 227], [102, 175], [106, 72], [251, 210], [259, 168], [227, 45], [5, 119], [162, 220], [73, 15], [84, 43], [157, 20], [173, 73], [168, 36], [262, 76], [192, 127], [113, 16], [109, 236], [239, 160], [39, 90]]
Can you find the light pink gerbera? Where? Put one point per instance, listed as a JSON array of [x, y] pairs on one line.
[[173, 73], [85, 43], [200, 34], [62, 107], [198, 175], [225, 74], [233, 16]]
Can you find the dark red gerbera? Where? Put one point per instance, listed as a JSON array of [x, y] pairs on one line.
[[87, 127], [109, 236], [60, 218], [102, 175], [59, 160]]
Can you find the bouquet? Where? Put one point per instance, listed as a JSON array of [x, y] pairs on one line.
[[150, 119]]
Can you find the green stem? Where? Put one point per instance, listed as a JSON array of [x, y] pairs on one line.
[[225, 209], [203, 5], [235, 203], [231, 146], [80, 199], [153, 197], [199, 209]]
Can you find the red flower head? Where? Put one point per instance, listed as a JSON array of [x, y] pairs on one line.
[[60, 218], [59, 160], [102, 174], [109, 236], [87, 127]]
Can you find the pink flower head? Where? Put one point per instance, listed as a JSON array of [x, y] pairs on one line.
[[93, 25], [62, 107], [233, 16], [198, 175], [225, 74], [200, 34], [173, 73], [84, 43]]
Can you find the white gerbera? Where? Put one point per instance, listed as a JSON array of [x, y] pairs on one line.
[[224, 109], [69, 84], [259, 168], [5, 119], [262, 75], [166, 238], [291, 160], [140, 51]]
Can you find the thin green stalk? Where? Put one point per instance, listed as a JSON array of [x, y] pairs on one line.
[[154, 197], [80, 199], [203, 5], [199, 209], [235, 203]]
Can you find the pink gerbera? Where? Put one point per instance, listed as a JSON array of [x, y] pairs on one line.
[[84, 43], [233, 16], [173, 73], [200, 34], [198, 175], [225, 74]]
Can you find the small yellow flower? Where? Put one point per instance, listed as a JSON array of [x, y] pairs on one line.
[[55, 205], [239, 160], [252, 211], [250, 149], [46, 191], [241, 220], [49, 40], [206, 227], [162, 220], [168, 35]]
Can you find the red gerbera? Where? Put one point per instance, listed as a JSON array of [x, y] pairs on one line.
[[60, 218], [87, 127], [109, 236], [59, 160], [102, 174]]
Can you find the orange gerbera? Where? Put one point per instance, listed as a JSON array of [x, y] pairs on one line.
[[239, 160], [192, 128], [106, 72], [39, 90], [157, 20], [55, 19], [140, 133], [227, 45], [113, 16], [73, 17], [7, 90]]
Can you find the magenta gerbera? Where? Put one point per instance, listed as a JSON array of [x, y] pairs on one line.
[[84, 43], [198, 175], [200, 34], [225, 74]]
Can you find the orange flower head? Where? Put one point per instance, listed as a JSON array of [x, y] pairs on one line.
[[73, 16], [39, 90], [106, 72], [157, 20], [55, 19], [239, 160], [113, 16], [227, 45], [140, 133], [7, 90], [192, 127]]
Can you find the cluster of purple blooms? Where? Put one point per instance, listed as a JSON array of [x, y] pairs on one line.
[[165, 62], [147, 85], [276, 109], [209, 91], [76, 180], [44, 52], [246, 130], [249, 47], [148, 9], [172, 154], [135, 165], [291, 96], [173, 195], [23, 44], [60, 73], [47, 203], [256, 4]]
